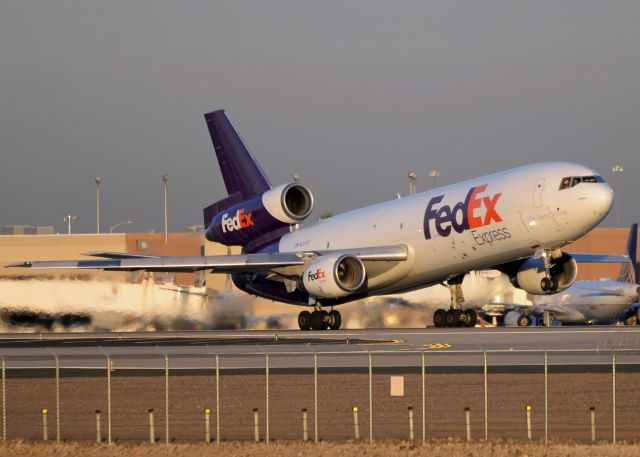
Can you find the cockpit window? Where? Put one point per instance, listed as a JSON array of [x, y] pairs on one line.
[[571, 181]]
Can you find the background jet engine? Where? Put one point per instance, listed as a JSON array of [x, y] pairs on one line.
[[334, 277], [531, 276]]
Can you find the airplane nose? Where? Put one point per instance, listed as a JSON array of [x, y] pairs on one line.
[[603, 199]]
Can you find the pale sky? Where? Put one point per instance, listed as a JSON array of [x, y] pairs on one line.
[[351, 95]]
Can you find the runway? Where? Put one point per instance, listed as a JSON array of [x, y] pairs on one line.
[[565, 346], [277, 375]]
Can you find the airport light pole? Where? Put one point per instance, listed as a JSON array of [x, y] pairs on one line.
[[434, 175], [165, 178], [113, 227], [98, 181], [617, 170], [413, 177], [69, 219]]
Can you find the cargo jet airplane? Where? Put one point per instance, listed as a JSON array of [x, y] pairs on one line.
[[515, 221]]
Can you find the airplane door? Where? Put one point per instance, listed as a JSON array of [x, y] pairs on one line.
[[537, 193]]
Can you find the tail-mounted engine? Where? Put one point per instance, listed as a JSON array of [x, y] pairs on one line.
[[247, 220], [532, 278], [334, 277]]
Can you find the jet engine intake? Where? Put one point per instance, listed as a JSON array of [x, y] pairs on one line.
[[532, 278], [334, 277], [290, 203], [516, 319], [248, 220]]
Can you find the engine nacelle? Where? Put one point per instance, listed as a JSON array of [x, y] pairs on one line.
[[516, 319], [334, 277], [277, 208], [531, 274]]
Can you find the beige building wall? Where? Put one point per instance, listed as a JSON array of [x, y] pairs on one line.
[[18, 248], [605, 240]]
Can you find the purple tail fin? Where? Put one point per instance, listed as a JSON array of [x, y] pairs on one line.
[[239, 169], [242, 175]]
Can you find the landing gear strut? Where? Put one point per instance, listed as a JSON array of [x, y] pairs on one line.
[[455, 316], [548, 283], [319, 320]]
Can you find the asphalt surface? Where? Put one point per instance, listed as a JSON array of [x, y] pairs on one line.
[[279, 375], [339, 349]]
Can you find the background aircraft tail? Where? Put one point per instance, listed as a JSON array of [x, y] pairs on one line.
[[254, 214], [629, 271]]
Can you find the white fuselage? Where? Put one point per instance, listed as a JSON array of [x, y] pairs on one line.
[[591, 301], [512, 215]]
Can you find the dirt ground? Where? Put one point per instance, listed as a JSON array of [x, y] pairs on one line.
[[296, 449], [447, 395]]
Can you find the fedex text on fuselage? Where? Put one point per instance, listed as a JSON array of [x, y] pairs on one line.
[[464, 215]]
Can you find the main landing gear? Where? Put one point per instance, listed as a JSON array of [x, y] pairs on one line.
[[319, 320], [455, 316]]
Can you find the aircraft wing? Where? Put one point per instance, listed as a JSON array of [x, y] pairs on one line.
[[550, 308], [217, 263], [120, 255], [599, 258], [240, 263]]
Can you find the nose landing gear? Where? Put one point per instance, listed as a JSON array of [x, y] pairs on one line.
[[548, 283]]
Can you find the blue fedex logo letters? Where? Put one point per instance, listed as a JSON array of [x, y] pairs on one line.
[[464, 215]]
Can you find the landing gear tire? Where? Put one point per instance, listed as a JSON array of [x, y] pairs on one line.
[[452, 318], [471, 318], [553, 285], [317, 320], [304, 320], [335, 320], [439, 318]]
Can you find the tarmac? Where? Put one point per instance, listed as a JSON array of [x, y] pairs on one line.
[[412, 381]]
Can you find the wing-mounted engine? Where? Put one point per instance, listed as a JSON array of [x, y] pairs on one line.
[[532, 277], [334, 276], [247, 220]]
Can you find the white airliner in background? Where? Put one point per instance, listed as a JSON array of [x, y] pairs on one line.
[[514, 221]]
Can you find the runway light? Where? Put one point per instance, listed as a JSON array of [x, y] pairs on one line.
[[207, 410], [355, 409], [44, 411], [528, 407]]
